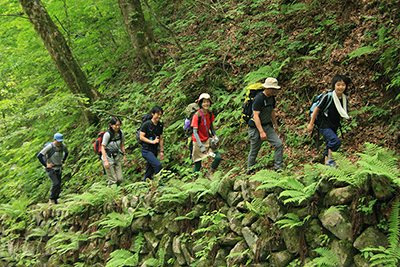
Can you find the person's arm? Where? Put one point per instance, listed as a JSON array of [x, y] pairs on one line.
[[310, 127], [66, 153], [42, 160], [103, 152], [147, 140], [197, 137], [161, 147], [123, 150], [273, 120], [256, 117]]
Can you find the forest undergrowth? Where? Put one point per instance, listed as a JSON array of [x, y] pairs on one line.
[[224, 46]]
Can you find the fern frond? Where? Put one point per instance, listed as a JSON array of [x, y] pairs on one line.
[[122, 257], [114, 220], [328, 258], [389, 256]]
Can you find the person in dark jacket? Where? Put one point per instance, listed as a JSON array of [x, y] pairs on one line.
[[329, 121], [151, 135]]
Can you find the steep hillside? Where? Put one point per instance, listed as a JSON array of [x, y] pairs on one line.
[[229, 45]]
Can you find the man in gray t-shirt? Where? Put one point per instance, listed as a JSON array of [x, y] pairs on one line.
[[263, 125], [52, 158]]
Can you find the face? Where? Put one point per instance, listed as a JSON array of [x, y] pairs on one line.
[[56, 143], [116, 126], [270, 92], [206, 104], [157, 116], [340, 86]]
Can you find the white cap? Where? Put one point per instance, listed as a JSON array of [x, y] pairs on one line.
[[205, 96]]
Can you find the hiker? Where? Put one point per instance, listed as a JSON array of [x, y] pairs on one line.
[[52, 158], [263, 125], [112, 147], [151, 136], [202, 123], [328, 122]]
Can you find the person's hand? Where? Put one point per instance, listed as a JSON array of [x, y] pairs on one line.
[[310, 127], [106, 164], [157, 140], [50, 165], [349, 119], [263, 136], [125, 160], [276, 128], [161, 155]]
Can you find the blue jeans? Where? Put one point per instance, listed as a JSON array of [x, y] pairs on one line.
[[332, 140], [153, 165]]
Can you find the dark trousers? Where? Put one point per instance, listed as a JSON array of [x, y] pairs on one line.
[[153, 165], [55, 178], [332, 140]]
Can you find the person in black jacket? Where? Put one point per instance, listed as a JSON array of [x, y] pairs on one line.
[[328, 122]]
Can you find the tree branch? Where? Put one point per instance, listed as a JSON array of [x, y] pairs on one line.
[[113, 114]]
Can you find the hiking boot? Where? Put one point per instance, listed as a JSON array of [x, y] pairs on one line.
[[331, 163], [210, 175], [51, 202], [251, 171]]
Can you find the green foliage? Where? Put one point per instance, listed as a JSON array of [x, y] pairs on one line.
[[122, 257], [292, 221], [294, 189], [327, 259], [64, 242], [374, 162], [213, 222], [389, 256]]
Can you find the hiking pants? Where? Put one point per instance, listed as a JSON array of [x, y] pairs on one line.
[[55, 178], [153, 165], [332, 140], [256, 142], [114, 173], [214, 164]]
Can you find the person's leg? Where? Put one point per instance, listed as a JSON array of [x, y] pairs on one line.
[[255, 145], [111, 174], [217, 160], [197, 166], [58, 189], [274, 140], [333, 142], [154, 165], [118, 172], [55, 183]]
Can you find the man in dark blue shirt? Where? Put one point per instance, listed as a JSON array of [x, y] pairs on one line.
[[151, 136]]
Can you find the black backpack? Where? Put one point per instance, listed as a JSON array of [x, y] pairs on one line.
[[145, 117], [247, 107]]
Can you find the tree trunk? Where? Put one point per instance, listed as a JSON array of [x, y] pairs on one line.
[[55, 43], [139, 32]]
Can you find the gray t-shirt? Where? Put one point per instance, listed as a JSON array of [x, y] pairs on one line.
[[114, 144], [56, 158]]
